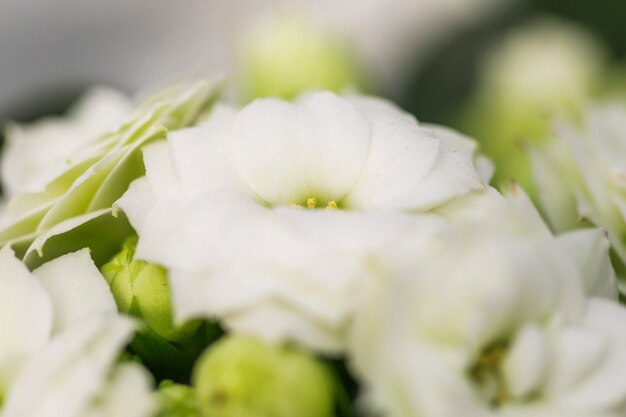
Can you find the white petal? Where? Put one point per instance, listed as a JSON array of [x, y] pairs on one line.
[[592, 371], [453, 174], [277, 324], [419, 380], [578, 354], [36, 154], [76, 287], [485, 168], [287, 152], [159, 170], [98, 230], [137, 202], [178, 233], [25, 308], [66, 377], [199, 155], [527, 362], [127, 394], [226, 254], [550, 173], [589, 248], [401, 155], [409, 166]]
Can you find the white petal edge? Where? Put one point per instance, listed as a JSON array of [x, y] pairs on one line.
[[76, 287]]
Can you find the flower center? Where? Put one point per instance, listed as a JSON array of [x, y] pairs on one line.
[[312, 203], [487, 375]]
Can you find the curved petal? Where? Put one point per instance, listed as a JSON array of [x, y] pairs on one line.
[[159, 171], [67, 376], [25, 308], [288, 152], [526, 365], [137, 202], [589, 248], [199, 156], [34, 155], [409, 166], [589, 361], [76, 288], [128, 393], [101, 231]]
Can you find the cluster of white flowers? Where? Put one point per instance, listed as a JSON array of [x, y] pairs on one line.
[[338, 226]]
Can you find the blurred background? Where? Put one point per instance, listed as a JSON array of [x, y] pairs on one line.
[[498, 70]]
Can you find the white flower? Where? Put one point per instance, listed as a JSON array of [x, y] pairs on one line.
[[36, 154], [224, 208], [495, 319], [67, 199], [580, 174], [60, 335]]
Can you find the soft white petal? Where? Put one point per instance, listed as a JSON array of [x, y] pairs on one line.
[[37, 153], [64, 379], [199, 156], [418, 380], [76, 287], [137, 202], [98, 230], [485, 168], [553, 182], [401, 156], [286, 326], [288, 152], [589, 248], [159, 170], [590, 365], [226, 254], [527, 362], [423, 166], [128, 393], [25, 308]]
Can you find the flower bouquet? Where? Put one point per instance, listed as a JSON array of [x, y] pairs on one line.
[[324, 256]]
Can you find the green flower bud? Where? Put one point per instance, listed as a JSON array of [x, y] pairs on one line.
[[286, 57], [542, 71], [241, 376], [141, 289], [176, 400]]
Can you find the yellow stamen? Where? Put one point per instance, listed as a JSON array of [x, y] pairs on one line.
[[311, 202], [332, 205]]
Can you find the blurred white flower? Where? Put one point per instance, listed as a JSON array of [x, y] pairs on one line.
[[495, 319], [227, 207], [580, 174], [60, 336], [36, 154], [72, 188]]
